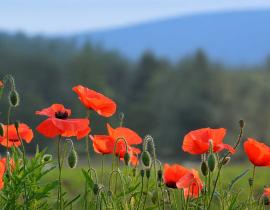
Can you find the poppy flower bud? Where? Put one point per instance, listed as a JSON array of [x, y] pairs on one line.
[[46, 158], [250, 181], [241, 123], [1, 88], [226, 160], [72, 158], [146, 159], [142, 173], [1, 129], [96, 189], [148, 173], [212, 162], [126, 158], [266, 200], [154, 197], [204, 168], [159, 175], [14, 98]]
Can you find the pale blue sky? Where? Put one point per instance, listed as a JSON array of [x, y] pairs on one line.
[[72, 16]]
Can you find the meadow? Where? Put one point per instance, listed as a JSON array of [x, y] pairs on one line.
[[126, 172]]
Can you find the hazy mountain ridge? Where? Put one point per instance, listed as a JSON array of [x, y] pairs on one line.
[[239, 37]]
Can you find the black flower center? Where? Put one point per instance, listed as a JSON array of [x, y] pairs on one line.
[[61, 115]]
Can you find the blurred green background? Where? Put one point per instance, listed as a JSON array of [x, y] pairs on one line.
[[159, 97]]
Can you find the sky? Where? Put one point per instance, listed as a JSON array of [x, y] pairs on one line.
[[74, 16]]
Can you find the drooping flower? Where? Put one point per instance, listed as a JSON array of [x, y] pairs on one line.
[[11, 139], [91, 99], [177, 176], [266, 196], [258, 153], [59, 124], [198, 141]]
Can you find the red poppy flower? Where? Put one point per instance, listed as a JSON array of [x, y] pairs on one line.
[[121, 132], [198, 141], [173, 173], [266, 191], [3, 170], [1, 84], [25, 133], [59, 123], [104, 144], [177, 176], [91, 99], [257, 152], [191, 184]]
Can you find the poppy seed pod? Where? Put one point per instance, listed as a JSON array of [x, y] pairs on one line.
[[146, 159], [126, 158], [241, 123], [142, 173], [212, 162], [148, 173], [1, 129], [204, 168], [14, 98], [96, 189], [72, 158]]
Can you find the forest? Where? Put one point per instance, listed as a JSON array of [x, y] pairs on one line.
[[157, 96]]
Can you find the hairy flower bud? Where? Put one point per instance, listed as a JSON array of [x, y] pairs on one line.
[[126, 158], [72, 158], [46, 158], [14, 98], [204, 168], [146, 159], [241, 123], [212, 162]]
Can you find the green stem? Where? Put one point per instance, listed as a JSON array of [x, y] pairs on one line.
[[24, 168], [252, 185], [140, 199], [147, 188], [60, 173], [102, 168]]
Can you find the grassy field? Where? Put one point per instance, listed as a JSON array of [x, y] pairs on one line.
[[74, 183]]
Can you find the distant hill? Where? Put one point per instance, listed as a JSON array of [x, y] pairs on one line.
[[239, 37]]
